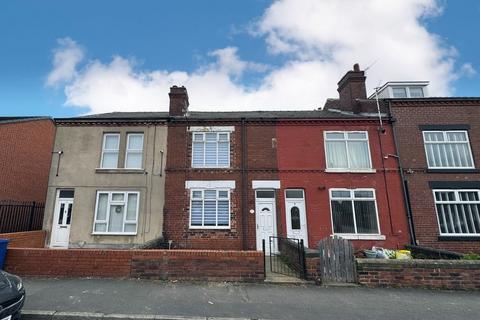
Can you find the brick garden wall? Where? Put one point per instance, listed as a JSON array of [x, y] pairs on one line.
[[148, 264], [433, 274], [28, 239]]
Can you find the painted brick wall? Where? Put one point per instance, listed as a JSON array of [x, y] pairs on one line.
[[302, 163], [412, 152], [261, 152], [25, 159], [433, 274], [28, 239], [150, 264]]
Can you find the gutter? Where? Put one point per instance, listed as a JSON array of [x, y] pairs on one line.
[[406, 198]]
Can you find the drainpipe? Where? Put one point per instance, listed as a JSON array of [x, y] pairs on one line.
[[244, 185], [406, 198]]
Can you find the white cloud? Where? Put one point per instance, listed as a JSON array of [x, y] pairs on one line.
[[467, 70], [65, 59], [320, 41]]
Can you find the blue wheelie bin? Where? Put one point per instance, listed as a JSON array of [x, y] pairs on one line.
[[3, 251]]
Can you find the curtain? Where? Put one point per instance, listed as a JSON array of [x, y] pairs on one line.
[[336, 154], [358, 155]]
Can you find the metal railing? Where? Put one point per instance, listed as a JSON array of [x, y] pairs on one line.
[[287, 256], [16, 216]]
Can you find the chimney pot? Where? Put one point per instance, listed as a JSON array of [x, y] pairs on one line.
[[356, 67]]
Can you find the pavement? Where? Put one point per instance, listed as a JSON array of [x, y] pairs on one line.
[[110, 299]]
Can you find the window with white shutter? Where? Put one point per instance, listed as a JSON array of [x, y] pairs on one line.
[[210, 209], [448, 150], [211, 150]]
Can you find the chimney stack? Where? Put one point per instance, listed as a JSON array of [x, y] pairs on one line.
[[352, 87], [178, 101]]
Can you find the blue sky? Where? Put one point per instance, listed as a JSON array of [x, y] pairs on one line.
[[254, 54]]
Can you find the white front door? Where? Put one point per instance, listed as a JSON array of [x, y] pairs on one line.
[[265, 217], [296, 215], [61, 221]]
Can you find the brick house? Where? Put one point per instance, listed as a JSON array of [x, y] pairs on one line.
[[438, 142], [26, 150], [235, 178]]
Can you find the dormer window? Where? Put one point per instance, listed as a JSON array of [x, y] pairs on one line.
[[407, 92]]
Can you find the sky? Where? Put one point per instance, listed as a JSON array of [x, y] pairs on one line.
[[67, 58]]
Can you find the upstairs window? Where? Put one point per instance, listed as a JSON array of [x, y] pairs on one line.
[[448, 150], [407, 92], [354, 211], [399, 92], [347, 150], [458, 212], [134, 151], [211, 150], [210, 208], [111, 145]]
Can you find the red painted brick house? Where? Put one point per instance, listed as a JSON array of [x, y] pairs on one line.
[[235, 178], [26, 151], [438, 142]]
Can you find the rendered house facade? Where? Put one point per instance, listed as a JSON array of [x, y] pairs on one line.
[[106, 184], [438, 142]]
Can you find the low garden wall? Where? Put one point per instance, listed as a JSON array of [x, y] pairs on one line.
[[27, 239], [147, 264], [433, 274]]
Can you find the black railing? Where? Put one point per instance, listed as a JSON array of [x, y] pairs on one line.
[[16, 216], [287, 256]]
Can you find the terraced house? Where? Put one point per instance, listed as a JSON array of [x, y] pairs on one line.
[[228, 180]]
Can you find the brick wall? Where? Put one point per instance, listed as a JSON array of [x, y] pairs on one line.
[[433, 274], [151, 264], [28, 239], [261, 151], [312, 264], [25, 159], [409, 117]]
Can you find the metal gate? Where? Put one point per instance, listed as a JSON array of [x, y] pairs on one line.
[[287, 256], [337, 261]]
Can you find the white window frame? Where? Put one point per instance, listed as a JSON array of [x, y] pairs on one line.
[[369, 169], [444, 132], [134, 151], [204, 142], [107, 216], [105, 135], [457, 201], [407, 91], [216, 199], [356, 235]]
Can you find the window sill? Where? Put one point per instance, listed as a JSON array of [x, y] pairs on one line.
[[208, 228], [114, 234], [350, 170], [361, 236], [459, 170], [459, 238], [120, 170]]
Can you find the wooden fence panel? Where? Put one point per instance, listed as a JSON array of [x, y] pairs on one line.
[[337, 261]]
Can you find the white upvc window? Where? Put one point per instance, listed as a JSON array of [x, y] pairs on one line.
[[407, 92], [116, 213], [209, 209], [110, 149], [347, 151], [448, 150], [134, 151], [458, 212], [211, 150], [354, 212]]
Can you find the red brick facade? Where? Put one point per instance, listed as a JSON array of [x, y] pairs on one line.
[[302, 163], [409, 116], [147, 264], [28, 239], [26, 152]]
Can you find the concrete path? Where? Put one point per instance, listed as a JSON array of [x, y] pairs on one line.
[[251, 301]]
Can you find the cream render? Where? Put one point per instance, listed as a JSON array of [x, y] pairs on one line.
[[78, 168]]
